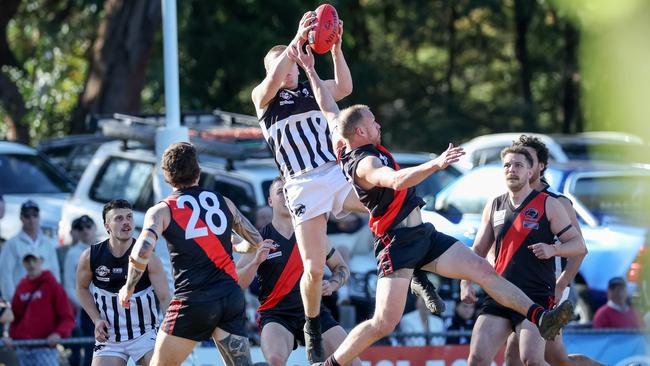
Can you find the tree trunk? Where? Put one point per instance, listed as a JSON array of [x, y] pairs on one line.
[[119, 60], [571, 82], [10, 98], [524, 10]]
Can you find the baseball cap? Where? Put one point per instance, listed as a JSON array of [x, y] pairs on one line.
[[615, 281], [82, 221], [28, 205]]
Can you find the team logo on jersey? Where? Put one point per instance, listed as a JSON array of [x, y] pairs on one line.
[[305, 92], [102, 271], [531, 214], [298, 210], [384, 159], [286, 96], [530, 219]]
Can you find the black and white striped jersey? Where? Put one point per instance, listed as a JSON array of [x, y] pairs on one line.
[[109, 275], [297, 132]]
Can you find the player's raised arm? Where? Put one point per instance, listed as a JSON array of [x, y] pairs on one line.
[[322, 94], [372, 171], [240, 225], [341, 85], [156, 220], [278, 67]]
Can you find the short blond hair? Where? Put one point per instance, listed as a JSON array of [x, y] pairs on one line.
[[349, 119], [272, 54]]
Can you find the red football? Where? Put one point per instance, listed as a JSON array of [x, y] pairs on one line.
[[326, 32]]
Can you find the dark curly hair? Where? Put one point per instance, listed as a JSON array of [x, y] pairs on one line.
[[536, 144], [180, 164]]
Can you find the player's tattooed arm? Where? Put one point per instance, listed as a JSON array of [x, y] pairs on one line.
[[245, 229], [340, 269], [235, 350]]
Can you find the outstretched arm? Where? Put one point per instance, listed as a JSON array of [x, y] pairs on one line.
[[240, 224], [340, 272], [249, 263], [322, 94], [280, 67], [341, 86], [372, 172], [155, 221]]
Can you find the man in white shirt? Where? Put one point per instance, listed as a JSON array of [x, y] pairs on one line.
[[30, 239], [84, 234]]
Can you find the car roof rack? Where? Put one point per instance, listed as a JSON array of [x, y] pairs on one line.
[[232, 136]]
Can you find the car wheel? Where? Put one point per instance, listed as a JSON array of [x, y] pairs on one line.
[[583, 309]]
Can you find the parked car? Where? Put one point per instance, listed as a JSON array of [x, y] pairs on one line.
[[28, 175], [597, 146], [72, 153], [610, 201]]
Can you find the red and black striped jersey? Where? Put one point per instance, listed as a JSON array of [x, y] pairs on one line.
[[387, 206], [515, 228], [279, 275], [198, 238]]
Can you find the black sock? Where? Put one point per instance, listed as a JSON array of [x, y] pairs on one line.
[[535, 313], [331, 361], [313, 324]]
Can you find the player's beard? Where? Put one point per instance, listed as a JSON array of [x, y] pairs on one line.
[[515, 185]]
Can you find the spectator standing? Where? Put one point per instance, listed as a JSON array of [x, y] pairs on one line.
[[30, 239], [84, 233], [617, 312], [7, 356], [42, 311], [463, 319], [2, 214]]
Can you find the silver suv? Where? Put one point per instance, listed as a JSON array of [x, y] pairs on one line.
[[28, 175], [116, 171]]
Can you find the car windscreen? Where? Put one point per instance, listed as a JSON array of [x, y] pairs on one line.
[[30, 174], [630, 152], [622, 199]]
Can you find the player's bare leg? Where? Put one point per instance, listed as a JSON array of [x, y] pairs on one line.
[[460, 262], [277, 344], [171, 350], [234, 349], [332, 338], [488, 335], [312, 242], [146, 359], [389, 307], [555, 354], [531, 344], [108, 361]]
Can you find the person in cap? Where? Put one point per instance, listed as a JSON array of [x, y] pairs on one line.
[[617, 312], [84, 233], [30, 239], [42, 311]]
